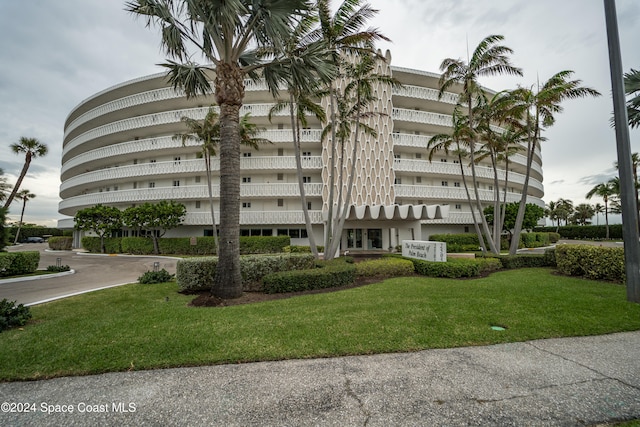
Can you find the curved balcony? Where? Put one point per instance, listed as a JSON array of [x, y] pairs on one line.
[[139, 147], [171, 168], [457, 194], [256, 218], [442, 168], [419, 92], [70, 205], [421, 142], [156, 119]]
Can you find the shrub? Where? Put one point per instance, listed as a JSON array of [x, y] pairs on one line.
[[195, 275], [384, 267], [586, 232], [457, 267], [150, 277], [463, 242], [524, 261], [591, 262], [301, 249], [554, 237], [17, 263], [58, 269], [263, 244], [60, 243], [112, 244], [330, 274], [550, 257], [137, 245], [13, 315]]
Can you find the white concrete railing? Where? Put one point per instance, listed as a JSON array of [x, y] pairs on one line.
[[187, 192], [426, 93], [456, 193], [167, 142], [155, 119], [446, 168], [421, 141], [127, 172]]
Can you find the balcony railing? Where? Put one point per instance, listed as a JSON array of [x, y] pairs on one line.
[[130, 172], [428, 94], [187, 192]]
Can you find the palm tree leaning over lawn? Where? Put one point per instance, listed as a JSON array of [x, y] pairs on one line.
[[459, 137], [231, 36], [538, 110], [632, 88], [303, 66], [24, 195], [31, 148], [488, 59], [343, 35], [604, 190]]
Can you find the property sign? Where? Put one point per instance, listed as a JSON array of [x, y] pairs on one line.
[[427, 251]]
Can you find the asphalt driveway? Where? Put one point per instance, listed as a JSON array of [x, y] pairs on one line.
[[92, 271]]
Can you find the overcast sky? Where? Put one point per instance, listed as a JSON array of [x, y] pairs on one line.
[[54, 54]]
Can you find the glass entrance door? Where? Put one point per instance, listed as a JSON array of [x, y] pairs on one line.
[[354, 238], [374, 238]]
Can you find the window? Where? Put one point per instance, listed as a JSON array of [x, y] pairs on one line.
[[443, 160], [294, 233], [108, 188], [280, 151], [280, 203], [309, 205], [396, 156], [458, 207], [135, 161], [282, 232], [456, 184], [198, 179], [176, 160], [246, 154], [306, 179], [246, 205], [491, 187], [466, 229], [152, 161], [306, 154], [197, 204], [456, 161], [418, 179], [445, 183], [176, 183], [246, 179], [280, 126], [418, 155], [115, 188], [397, 181], [280, 177], [152, 185], [135, 185]]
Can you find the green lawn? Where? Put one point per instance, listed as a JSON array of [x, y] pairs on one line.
[[135, 327]]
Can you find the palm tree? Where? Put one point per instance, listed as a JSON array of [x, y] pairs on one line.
[[343, 35], [488, 59], [4, 186], [538, 110], [632, 88], [31, 148], [459, 137], [303, 67], [604, 190], [564, 209], [230, 35], [24, 195], [358, 96], [583, 213], [551, 212], [598, 209]]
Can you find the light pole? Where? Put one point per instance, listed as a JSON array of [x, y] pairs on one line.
[[627, 184]]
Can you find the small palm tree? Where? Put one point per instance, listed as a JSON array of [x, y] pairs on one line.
[[583, 213], [606, 191], [24, 195], [31, 148], [598, 209]]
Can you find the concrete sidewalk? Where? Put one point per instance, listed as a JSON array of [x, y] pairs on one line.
[[566, 381]]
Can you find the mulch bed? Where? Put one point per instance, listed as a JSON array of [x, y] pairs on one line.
[[205, 299]]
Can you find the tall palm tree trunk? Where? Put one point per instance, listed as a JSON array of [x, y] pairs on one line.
[[16, 187], [328, 233], [476, 226], [24, 205], [229, 93], [207, 160], [295, 125]]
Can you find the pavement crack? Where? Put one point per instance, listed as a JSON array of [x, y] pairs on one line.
[[349, 391], [595, 371]]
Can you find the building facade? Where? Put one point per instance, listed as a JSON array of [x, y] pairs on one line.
[[119, 149]]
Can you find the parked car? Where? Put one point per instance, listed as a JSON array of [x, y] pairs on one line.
[[34, 239]]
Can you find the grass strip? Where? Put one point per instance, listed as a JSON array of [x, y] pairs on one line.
[[151, 326]]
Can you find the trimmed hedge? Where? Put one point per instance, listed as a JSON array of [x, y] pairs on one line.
[[457, 267], [301, 249], [183, 246], [468, 242], [591, 262], [198, 274], [526, 261], [586, 232], [331, 274], [60, 243], [17, 263], [384, 267]]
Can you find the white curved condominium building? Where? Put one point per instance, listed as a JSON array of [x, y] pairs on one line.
[[119, 151]]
